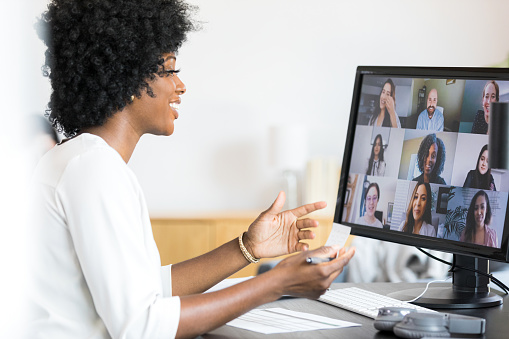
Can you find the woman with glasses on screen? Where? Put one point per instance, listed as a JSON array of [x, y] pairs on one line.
[[418, 215], [430, 160], [385, 114], [376, 163], [476, 229], [370, 203], [481, 176], [490, 94]]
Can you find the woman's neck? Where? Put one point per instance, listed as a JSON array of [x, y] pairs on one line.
[[375, 157], [417, 226], [381, 117], [119, 133]]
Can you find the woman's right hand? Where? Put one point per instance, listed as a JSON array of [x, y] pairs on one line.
[[301, 279]]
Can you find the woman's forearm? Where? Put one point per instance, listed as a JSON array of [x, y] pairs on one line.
[[199, 274], [204, 312]]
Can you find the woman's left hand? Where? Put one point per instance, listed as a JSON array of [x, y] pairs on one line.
[[275, 233], [389, 104]]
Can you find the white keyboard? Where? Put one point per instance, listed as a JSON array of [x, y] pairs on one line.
[[364, 302]]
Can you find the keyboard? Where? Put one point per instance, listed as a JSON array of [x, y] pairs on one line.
[[364, 302]]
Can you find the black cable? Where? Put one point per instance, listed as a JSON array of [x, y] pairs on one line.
[[454, 266]]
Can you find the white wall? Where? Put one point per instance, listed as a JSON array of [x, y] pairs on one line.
[[260, 63]]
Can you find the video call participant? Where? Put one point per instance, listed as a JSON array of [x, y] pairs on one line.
[[430, 160], [481, 177], [431, 119], [490, 94], [418, 215], [385, 115], [370, 203], [376, 163], [476, 229]]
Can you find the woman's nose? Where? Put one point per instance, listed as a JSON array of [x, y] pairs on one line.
[[180, 87]]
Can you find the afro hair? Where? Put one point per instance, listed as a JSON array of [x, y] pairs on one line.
[[102, 52], [422, 154]]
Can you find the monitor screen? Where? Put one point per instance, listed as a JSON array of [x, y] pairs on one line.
[[415, 168]]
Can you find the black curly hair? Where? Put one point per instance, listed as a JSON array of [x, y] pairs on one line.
[[422, 154], [101, 52]]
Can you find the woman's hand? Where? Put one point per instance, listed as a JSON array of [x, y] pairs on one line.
[[391, 107], [300, 279], [275, 233]]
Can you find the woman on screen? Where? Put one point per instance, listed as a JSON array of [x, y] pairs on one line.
[[476, 229], [385, 115], [490, 94], [430, 160], [370, 202], [418, 215], [376, 163], [481, 176]]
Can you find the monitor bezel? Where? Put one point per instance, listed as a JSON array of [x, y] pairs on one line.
[[456, 247]]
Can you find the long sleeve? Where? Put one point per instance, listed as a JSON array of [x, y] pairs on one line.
[[106, 224]]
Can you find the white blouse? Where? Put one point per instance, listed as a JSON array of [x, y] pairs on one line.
[[96, 268]]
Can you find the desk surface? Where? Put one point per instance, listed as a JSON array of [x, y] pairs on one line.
[[497, 318]]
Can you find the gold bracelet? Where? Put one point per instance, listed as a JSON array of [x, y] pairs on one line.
[[246, 253]]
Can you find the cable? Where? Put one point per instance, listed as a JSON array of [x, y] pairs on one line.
[[454, 266], [427, 286]]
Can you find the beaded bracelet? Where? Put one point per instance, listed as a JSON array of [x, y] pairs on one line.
[[246, 253]]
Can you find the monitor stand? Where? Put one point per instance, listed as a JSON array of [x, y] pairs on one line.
[[468, 290]]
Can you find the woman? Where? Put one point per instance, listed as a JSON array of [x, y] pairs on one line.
[[430, 160], [418, 215], [476, 229], [370, 202], [97, 271], [490, 94], [481, 177], [385, 115], [376, 163]]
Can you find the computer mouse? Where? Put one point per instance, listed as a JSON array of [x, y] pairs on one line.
[[389, 316]]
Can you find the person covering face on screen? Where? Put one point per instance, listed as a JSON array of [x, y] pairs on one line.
[[95, 268], [490, 94], [370, 203], [431, 118], [376, 163], [385, 115], [418, 215], [476, 229], [430, 160], [481, 177]]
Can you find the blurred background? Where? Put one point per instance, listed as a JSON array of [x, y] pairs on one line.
[[269, 87]]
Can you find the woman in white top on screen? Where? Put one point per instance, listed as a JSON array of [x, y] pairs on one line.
[[376, 163], [418, 216], [385, 114], [96, 268], [370, 202]]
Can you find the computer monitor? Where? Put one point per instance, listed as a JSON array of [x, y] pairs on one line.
[[416, 153]]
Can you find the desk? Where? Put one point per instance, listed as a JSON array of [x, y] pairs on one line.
[[497, 318]]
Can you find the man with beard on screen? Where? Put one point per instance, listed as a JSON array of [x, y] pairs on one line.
[[431, 119]]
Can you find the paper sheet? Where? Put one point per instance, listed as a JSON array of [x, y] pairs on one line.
[[227, 283], [338, 235], [279, 320]]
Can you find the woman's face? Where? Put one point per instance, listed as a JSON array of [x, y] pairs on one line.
[[386, 92], [371, 201], [156, 115], [377, 147], [490, 95], [483, 162], [431, 159], [480, 210], [419, 203]]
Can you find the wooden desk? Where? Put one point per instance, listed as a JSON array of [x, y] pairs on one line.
[[497, 318], [186, 237]]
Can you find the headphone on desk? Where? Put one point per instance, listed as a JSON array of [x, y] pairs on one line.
[[409, 323]]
